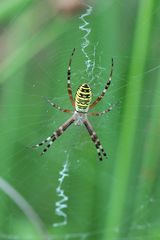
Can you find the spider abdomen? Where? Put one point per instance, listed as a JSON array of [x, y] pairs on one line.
[[83, 98]]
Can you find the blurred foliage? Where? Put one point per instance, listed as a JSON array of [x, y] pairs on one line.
[[115, 199]]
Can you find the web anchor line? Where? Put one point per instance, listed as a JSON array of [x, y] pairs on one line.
[[62, 203]]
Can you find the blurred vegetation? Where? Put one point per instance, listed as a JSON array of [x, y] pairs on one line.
[[115, 199]]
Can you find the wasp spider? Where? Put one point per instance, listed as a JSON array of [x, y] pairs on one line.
[[82, 104]]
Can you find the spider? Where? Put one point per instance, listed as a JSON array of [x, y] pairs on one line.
[[82, 104]]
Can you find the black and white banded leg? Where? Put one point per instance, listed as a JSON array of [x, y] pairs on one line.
[[100, 113], [105, 88], [96, 141], [69, 88], [57, 134], [54, 105], [42, 143]]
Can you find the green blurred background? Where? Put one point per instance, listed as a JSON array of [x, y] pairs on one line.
[[118, 198]]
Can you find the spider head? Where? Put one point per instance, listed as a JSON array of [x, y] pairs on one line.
[[83, 98]]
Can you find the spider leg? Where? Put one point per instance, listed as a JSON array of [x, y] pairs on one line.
[[57, 134], [69, 79], [58, 107], [101, 113], [105, 87], [95, 139], [42, 143]]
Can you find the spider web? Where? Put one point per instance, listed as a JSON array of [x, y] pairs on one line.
[[65, 194]]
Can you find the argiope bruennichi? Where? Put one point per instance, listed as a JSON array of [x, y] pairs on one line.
[[82, 104]]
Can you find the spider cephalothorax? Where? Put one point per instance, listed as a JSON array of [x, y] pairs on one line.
[[82, 104]]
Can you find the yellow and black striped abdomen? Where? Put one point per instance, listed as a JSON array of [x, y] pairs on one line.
[[83, 98]]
